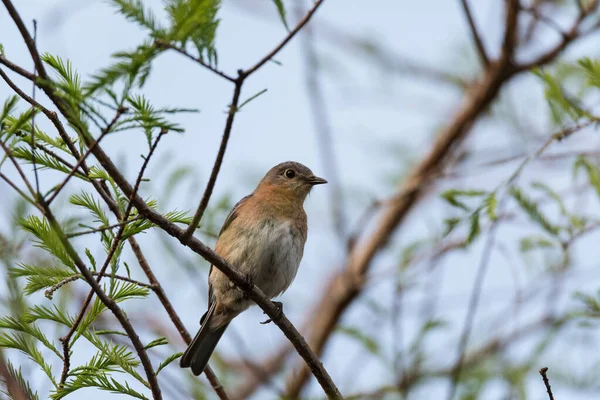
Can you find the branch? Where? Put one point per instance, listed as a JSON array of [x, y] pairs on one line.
[[567, 38], [15, 68], [115, 245], [546, 382], [10, 155], [219, 160], [164, 300], [50, 292], [166, 45], [475, 34], [29, 42], [289, 37], [103, 228]]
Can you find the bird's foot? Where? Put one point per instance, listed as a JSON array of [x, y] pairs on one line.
[[249, 281], [279, 306]]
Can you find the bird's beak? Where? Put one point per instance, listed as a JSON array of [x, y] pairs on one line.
[[315, 180]]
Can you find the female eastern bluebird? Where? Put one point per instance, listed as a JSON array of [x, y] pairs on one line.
[[263, 237]]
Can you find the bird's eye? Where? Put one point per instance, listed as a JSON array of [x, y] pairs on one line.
[[290, 173]]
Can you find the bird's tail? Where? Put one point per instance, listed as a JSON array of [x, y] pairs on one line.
[[202, 346]]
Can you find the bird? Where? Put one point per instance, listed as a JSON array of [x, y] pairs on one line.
[[263, 237]]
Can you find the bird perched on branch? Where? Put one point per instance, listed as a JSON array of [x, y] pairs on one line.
[[263, 237]]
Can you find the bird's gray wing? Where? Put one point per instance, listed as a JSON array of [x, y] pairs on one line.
[[230, 218]]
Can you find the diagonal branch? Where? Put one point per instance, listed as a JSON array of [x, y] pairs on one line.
[[233, 107], [303, 21], [475, 34]]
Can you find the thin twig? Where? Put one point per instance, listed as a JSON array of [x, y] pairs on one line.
[[289, 37], [19, 191], [10, 155], [15, 68], [115, 245], [543, 372], [49, 293], [164, 44], [219, 160], [164, 300], [475, 34], [35, 171], [474, 303], [110, 304], [103, 228]]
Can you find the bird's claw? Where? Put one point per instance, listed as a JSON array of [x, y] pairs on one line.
[[249, 283], [279, 306]]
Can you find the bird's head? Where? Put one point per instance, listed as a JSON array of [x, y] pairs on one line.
[[290, 179]]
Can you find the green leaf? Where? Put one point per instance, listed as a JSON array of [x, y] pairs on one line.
[[194, 21], [491, 204], [47, 239], [560, 105], [536, 242], [88, 201], [251, 98], [451, 224], [19, 342], [592, 71], [39, 278], [281, 12], [452, 197], [134, 11], [592, 171], [157, 342], [16, 375], [532, 209], [368, 342], [31, 329], [474, 228], [168, 361]]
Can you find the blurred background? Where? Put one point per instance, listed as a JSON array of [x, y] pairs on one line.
[[360, 96]]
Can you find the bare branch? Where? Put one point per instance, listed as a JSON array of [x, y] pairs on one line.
[[475, 34], [219, 160], [543, 372], [164, 44], [303, 21]]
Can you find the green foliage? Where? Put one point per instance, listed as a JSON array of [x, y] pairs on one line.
[[592, 170], [369, 343], [592, 71], [453, 197], [532, 209], [535, 242], [46, 238], [194, 21], [135, 11], [40, 277], [168, 361], [562, 107], [19, 341], [281, 12], [16, 375], [132, 67], [474, 228]]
